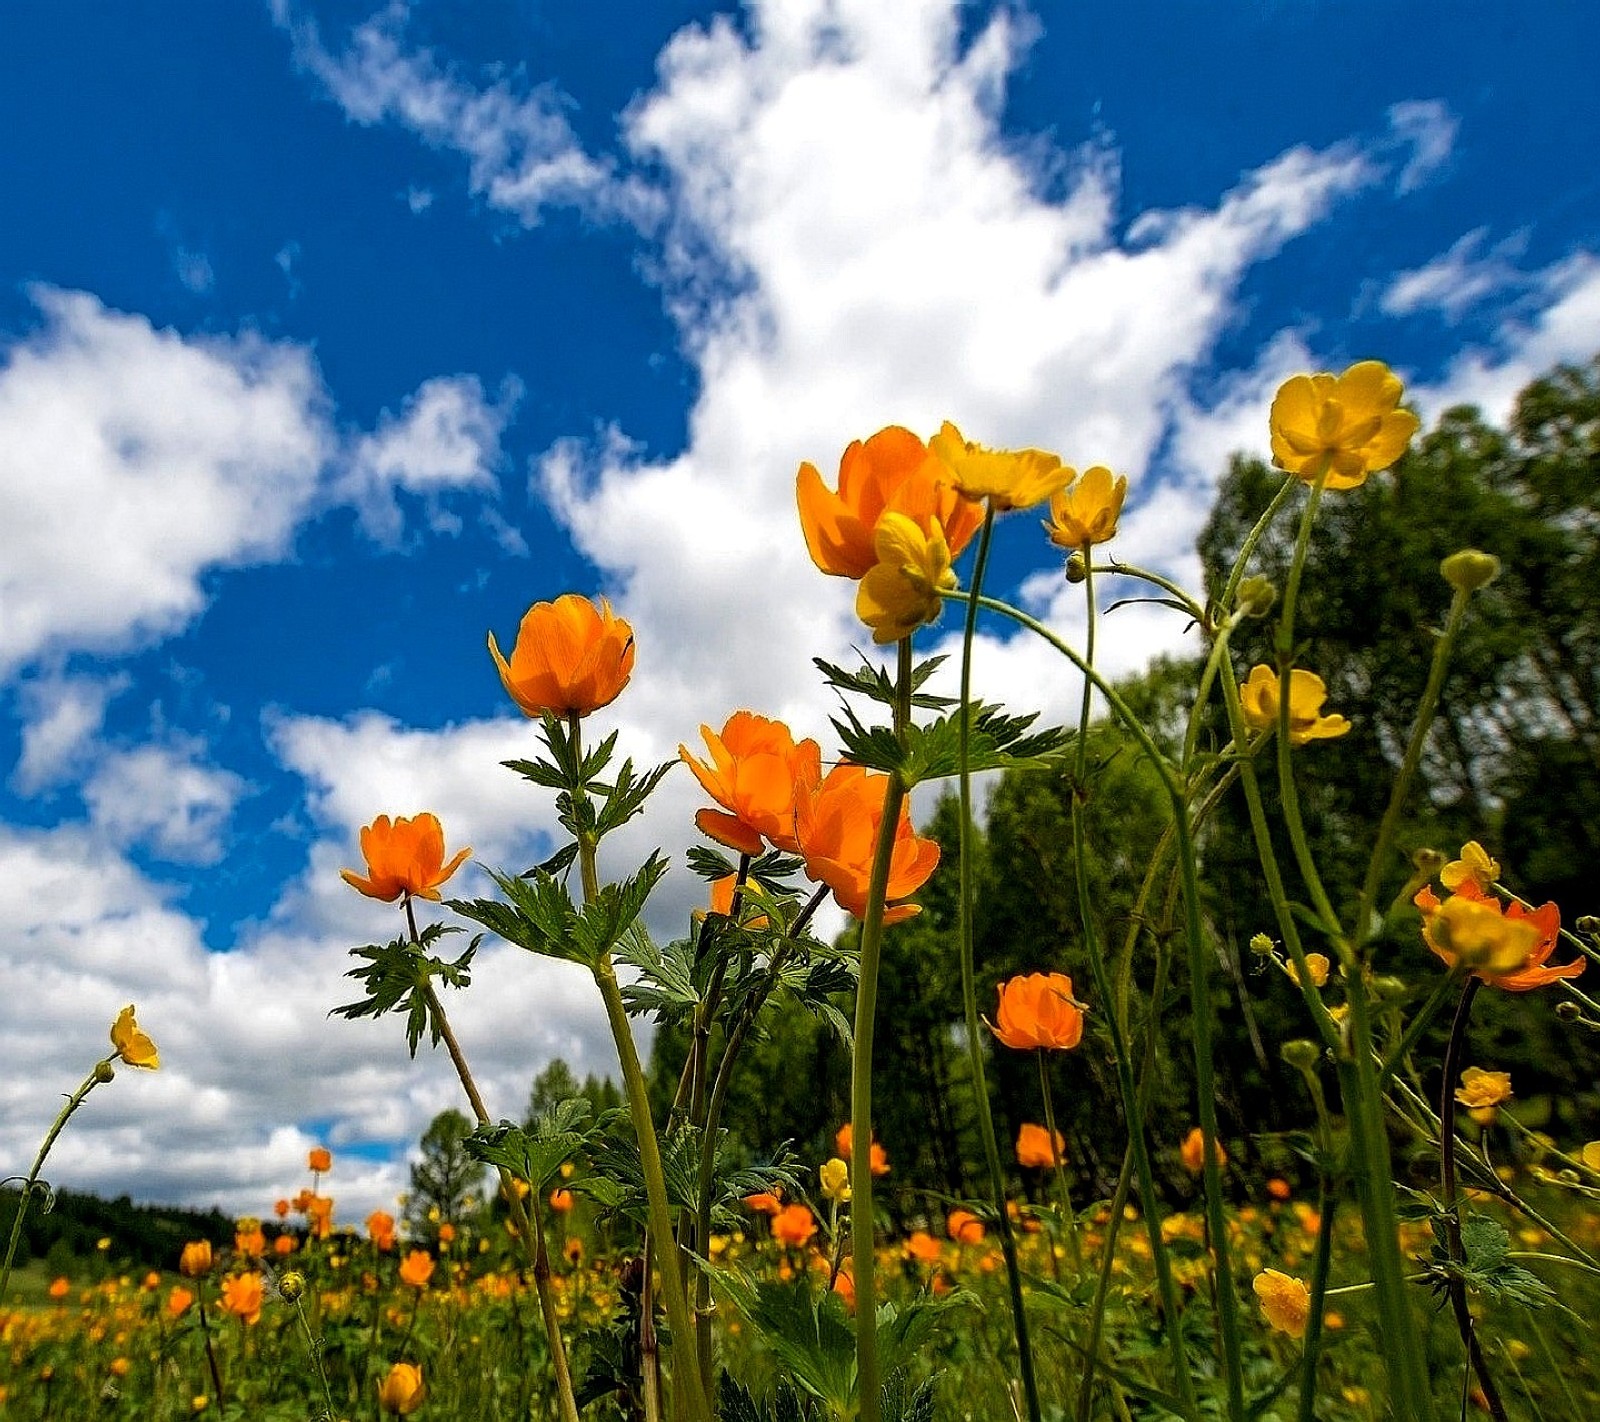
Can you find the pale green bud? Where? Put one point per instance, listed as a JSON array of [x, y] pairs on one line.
[[1470, 569]]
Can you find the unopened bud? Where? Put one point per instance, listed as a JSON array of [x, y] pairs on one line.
[[104, 1071], [1567, 1177], [1388, 988], [1428, 861], [292, 1285], [1568, 1012], [1256, 596], [1077, 568], [1260, 945], [1470, 569], [1301, 1054], [1588, 924]]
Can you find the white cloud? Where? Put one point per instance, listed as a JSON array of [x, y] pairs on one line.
[[61, 717], [165, 799], [1557, 321], [523, 156], [1456, 279], [447, 437], [1429, 128], [131, 461]]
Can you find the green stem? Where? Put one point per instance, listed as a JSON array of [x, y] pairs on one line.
[[1252, 538], [1061, 1167], [315, 1349], [969, 990], [1367, 923], [102, 1072]]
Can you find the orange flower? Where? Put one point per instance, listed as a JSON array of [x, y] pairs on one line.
[[764, 1202], [249, 1242], [380, 1229], [722, 902], [755, 766], [196, 1258], [319, 1215], [417, 1268], [836, 823], [1193, 1151], [401, 1392], [964, 1227], [892, 472], [793, 1225], [1038, 1010], [571, 657], [242, 1295], [561, 1200], [60, 1288], [923, 1247], [845, 1287], [320, 1160], [178, 1301], [1035, 1148], [1512, 942], [877, 1157], [447, 1233], [1278, 1188], [283, 1245], [281, 1209], [403, 857]]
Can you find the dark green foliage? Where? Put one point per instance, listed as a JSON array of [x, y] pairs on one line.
[[447, 1182], [151, 1236], [397, 977]]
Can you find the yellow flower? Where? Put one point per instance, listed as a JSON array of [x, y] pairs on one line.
[[1480, 1088], [1468, 930], [1088, 511], [1316, 964], [1474, 864], [1307, 692], [401, 1392], [1285, 1301], [132, 1045], [1347, 426], [834, 1177], [901, 591], [1008, 478], [1591, 1156]]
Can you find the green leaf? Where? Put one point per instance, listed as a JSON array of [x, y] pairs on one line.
[[874, 682], [537, 1153], [396, 977]]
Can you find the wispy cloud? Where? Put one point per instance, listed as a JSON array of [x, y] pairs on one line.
[[1457, 279]]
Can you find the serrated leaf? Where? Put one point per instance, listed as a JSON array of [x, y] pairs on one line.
[[397, 977], [535, 1154]]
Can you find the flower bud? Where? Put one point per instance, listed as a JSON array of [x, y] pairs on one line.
[[1568, 1012], [1470, 569], [292, 1285], [104, 1072], [1077, 568], [1567, 1177], [1588, 924], [1300, 1054], [1388, 988], [1427, 861], [1260, 945], [1256, 596]]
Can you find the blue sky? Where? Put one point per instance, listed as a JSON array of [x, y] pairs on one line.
[[333, 335]]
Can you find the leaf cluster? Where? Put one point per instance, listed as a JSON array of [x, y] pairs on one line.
[[398, 976]]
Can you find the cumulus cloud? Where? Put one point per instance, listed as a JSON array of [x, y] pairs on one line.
[[134, 459], [446, 437], [166, 799], [61, 716]]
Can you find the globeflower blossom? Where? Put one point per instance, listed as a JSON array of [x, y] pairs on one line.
[[319, 1160], [1038, 1148], [964, 1227], [402, 1392], [793, 1226], [380, 1230], [404, 856], [1285, 1301], [1087, 512], [417, 1268], [571, 657], [833, 1178], [1258, 698], [892, 472], [1008, 478], [242, 1296], [195, 1259], [1193, 1152], [836, 824], [1475, 864], [900, 592], [1506, 947], [1038, 1010], [755, 765], [1345, 426], [133, 1046], [877, 1157]]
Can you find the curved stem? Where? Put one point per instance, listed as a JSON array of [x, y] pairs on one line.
[[101, 1072], [1254, 537], [1452, 1203], [969, 991]]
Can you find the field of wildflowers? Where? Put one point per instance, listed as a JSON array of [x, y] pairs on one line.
[[634, 1265]]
